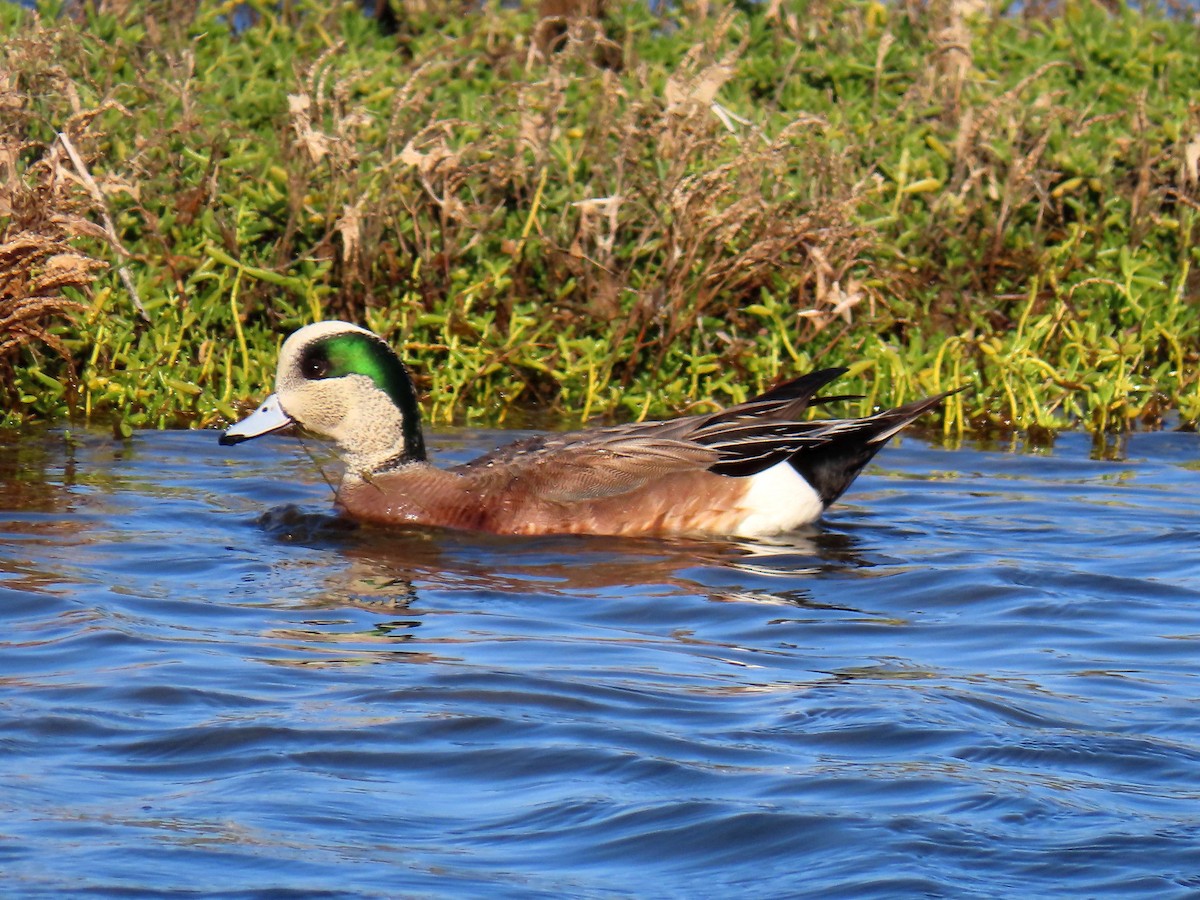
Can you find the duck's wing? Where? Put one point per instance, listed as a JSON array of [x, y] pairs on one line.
[[817, 448], [607, 462], [785, 402], [610, 461], [741, 441], [587, 465]]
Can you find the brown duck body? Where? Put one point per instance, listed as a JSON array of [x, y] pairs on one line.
[[423, 495], [757, 468], [748, 470]]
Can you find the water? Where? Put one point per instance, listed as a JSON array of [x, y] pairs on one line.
[[976, 678]]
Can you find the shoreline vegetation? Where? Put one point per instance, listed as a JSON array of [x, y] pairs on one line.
[[627, 214]]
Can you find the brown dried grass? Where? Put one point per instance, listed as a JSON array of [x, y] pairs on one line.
[[45, 226], [658, 207]]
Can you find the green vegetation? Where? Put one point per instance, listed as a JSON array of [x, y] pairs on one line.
[[554, 214]]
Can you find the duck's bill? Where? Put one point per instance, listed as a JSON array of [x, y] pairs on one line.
[[267, 418]]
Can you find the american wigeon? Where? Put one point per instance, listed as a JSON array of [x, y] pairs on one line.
[[753, 469]]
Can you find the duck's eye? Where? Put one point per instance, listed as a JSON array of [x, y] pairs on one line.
[[315, 367]]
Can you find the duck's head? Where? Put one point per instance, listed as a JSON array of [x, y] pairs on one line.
[[343, 382]]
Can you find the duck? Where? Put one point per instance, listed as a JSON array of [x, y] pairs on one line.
[[756, 469]]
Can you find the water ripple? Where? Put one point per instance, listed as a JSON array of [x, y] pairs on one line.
[[976, 678]]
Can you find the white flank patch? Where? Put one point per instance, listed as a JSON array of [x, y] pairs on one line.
[[779, 499]]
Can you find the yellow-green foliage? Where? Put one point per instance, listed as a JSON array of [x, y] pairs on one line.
[[623, 216]]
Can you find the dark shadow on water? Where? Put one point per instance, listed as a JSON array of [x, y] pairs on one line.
[[290, 524]]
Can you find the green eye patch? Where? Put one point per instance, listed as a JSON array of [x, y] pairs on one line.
[[365, 354]]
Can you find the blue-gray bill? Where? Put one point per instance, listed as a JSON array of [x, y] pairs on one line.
[[267, 418]]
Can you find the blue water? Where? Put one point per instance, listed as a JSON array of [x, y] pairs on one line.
[[976, 678]]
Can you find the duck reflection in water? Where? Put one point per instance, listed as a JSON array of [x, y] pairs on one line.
[[388, 569]]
